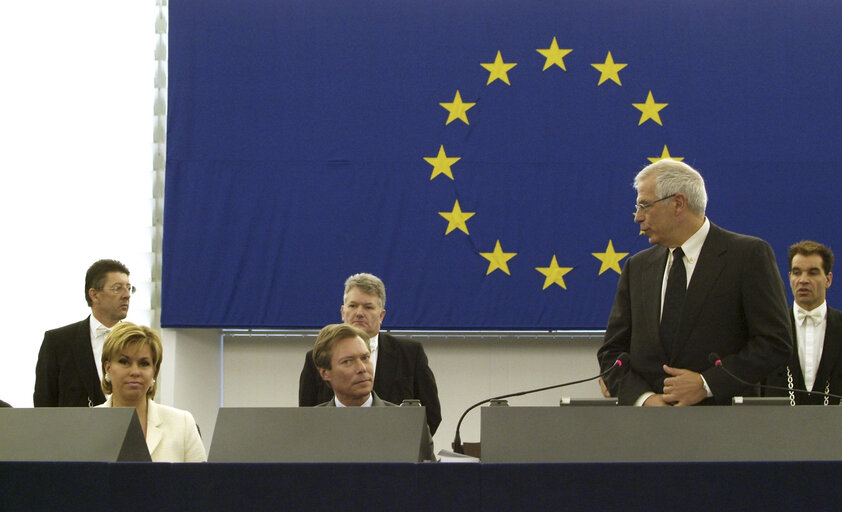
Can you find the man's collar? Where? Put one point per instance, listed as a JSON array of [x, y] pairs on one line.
[[367, 403]]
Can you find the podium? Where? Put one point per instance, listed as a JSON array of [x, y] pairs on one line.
[[318, 434], [661, 434], [72, 434]]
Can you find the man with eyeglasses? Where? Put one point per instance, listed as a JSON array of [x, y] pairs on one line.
[[68, 370], [700, 295]]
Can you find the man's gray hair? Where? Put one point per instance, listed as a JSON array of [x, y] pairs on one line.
[[674, 177], [368, 284]]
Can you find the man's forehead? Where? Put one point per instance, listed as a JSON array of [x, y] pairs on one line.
[[360, 297], [350, 346], [115, 277], [807, 262]]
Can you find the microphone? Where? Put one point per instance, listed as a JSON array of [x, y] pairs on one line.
[[621, 360], [714, 359]]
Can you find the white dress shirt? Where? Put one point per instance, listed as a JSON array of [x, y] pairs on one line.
[[810, 327], [98, 334]]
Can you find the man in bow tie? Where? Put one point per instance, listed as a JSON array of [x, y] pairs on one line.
[[700, 290], [816, 362], [68, 370]]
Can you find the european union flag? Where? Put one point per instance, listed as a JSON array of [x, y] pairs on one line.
[[477, 155]]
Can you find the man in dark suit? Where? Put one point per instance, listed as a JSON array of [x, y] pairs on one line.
[[700, 290], [816, 362], [343, 358], [68, 371], [401, 367]]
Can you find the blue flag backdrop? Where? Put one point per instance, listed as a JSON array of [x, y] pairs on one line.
[[477, 155]]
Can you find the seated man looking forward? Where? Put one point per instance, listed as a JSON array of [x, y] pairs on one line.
[[342, 356]]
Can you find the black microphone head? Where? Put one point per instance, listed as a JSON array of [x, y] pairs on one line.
[[714, 359]]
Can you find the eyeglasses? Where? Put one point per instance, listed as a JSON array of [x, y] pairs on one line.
[[642, 207], [117, 289]]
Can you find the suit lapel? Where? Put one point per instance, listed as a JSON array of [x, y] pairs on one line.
[[375, 400], [710, 264], [83, 355], [794, 363], [384, 374], [154, 433], [830, 350]]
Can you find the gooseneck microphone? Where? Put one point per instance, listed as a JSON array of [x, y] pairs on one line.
[[622, 359], [714, 359]]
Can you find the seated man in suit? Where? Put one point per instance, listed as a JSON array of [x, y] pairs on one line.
[[401, 369], [816, 362], [701, 290], [68, 370], [342, 355]]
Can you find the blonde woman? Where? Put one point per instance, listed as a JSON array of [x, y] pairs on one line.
[[131, 359]]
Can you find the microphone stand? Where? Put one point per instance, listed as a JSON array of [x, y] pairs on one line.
[[457, 440]]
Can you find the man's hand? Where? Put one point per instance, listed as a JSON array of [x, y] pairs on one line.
[[604, 388], [656, 401], [683, 387]]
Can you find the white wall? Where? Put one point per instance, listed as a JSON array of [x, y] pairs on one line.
[[76, 145]]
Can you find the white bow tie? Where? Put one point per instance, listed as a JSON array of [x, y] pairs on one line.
[[801, 316]]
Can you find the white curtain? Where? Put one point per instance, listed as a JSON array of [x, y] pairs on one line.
[[80, 176]]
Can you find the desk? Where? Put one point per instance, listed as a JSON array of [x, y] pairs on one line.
[[98, 486]]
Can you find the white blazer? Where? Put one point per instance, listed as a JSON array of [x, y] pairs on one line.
[[171, 434]]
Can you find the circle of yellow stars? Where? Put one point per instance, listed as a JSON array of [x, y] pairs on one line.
[[498, 70]]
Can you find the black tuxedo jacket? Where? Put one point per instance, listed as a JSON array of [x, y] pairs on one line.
[[735, 306], [402, 372], [830, 365], [65, 375]]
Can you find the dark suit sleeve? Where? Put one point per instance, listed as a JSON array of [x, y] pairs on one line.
[[426, 389], [46, 374], [309, 383], [618, 341], [768, 331]]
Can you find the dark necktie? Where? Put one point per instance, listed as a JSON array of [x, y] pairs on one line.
[[673, 300]]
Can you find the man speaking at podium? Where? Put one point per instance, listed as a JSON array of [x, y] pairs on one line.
[[700, 290]]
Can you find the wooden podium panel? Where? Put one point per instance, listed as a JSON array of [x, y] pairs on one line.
[[102, 434], [318, 434], [661, 434]]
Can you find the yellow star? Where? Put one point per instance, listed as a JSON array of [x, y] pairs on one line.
[[610, 259], [609, 70], [649, 110], [498, 69], [498, 259], [456, 219], [554, 55], [665, 155], [457, 109], [441, 163], [554, 273]]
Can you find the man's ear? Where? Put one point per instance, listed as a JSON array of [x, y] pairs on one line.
[[680, 202], [325, 374]]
